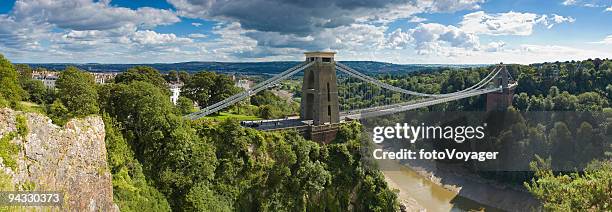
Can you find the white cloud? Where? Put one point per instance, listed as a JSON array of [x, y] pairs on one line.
[[433, 38], [416, 19], [398, 39], [195, 24], [569, 2], [609, 9], [89, 15], [606, 41], [148, 37], [198, 35], [587, 3], [510, 23], [450, 5], [495, 46]]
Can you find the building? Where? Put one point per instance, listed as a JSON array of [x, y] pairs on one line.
[[103, 78], [175, 89], [244, 84], [48, 78]]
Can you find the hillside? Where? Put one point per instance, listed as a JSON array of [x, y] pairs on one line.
[[247, 68]]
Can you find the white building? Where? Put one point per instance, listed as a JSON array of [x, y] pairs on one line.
[[103, 78], [244, 84], [48, 79], [175, 89]]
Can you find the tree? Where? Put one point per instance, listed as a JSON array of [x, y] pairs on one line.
[[521, 101], [267, 112], [553, 91], [591, 101], [58, 113], [199, 88], [202, 198], [131, 191], [184, 76], [589, 191], [184, 105], [77, 92], [565, 102], [171, 76], [9, 79], [536, 103], [207, 88], [145, 74], [172, 154], [265, 97], [24, 70], [36, 90]]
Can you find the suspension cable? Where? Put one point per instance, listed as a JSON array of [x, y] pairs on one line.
[[366, 78]]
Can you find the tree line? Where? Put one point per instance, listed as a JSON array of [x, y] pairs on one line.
[[161, 161]]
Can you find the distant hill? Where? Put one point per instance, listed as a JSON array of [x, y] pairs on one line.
[[247, 68]]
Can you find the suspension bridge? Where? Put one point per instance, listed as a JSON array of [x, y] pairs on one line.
[[320, 113]]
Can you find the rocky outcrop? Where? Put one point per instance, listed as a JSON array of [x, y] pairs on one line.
[[71, 159]]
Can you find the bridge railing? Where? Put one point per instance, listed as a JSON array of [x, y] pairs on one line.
[[243, 95]]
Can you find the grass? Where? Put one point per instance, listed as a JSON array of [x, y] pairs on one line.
[[223, 116], [8, 150], [31, 107]]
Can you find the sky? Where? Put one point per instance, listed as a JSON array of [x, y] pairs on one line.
[[396, 31]]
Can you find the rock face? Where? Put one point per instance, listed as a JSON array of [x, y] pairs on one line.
[[71, 159]]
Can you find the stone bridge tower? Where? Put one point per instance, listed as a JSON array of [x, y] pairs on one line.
[[320, 90], [501, 100]]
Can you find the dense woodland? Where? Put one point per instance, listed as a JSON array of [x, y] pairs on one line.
[[161, 161]]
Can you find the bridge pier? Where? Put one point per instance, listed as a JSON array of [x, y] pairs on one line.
[[320, 96], [501, 100]]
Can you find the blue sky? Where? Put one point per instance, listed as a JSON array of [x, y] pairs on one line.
[[398, 31]]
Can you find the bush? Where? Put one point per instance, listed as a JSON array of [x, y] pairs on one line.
[[58, 113]]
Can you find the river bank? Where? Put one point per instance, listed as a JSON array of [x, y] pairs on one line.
[[443, 187]]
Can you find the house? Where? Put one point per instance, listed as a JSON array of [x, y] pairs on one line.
[[175, 89]]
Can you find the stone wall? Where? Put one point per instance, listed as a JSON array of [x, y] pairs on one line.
[[70, 159]]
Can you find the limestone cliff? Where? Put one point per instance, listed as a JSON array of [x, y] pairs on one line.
[[71, 159]]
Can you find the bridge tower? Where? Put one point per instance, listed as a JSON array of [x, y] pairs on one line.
[[501, 100], [320, 90], [320, 97]]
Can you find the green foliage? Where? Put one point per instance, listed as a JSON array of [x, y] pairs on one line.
[[143, 74], [131, 191], [22, 125], [202, 198], [10, 89], [3, 102], [172, 155], [30, 107], [567, 86], [36, 90], [263, 171], [185, 105], [58, 113], [77, 92], [6, 182], [587, 191], [272, 106], [207, 88], [267, 111], [9, 150]]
